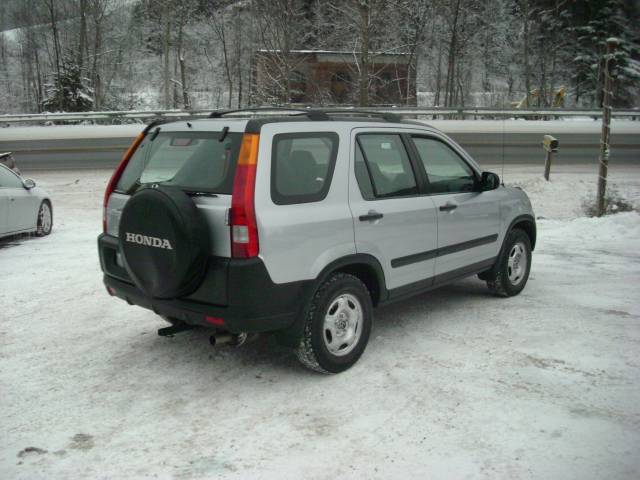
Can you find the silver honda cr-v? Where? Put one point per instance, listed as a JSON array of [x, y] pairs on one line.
[[300, 224]]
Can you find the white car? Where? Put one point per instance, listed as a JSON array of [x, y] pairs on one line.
[[24, 208]]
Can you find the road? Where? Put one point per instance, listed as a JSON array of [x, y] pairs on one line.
[[519, 142]]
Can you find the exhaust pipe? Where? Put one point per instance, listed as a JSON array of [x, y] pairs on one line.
[[234, 340]]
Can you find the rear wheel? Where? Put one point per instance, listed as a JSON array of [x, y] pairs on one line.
[[45, 219], [512, 271], [338, 325]]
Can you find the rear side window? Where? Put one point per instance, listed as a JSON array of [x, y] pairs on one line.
[[302, 166], [447, 172], [193, 161], [388, 166]]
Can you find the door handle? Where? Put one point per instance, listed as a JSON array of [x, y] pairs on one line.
[[448, 207], [372, 215]]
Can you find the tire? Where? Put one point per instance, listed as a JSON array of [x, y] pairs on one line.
[[45, 219], [510, 275], [334, 347], [164, 241]]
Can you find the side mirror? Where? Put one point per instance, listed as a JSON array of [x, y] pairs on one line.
[[28, 183], [489, 181]]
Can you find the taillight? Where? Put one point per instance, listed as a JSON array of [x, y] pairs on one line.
[[242, 217], [117, 174], [215, 321]]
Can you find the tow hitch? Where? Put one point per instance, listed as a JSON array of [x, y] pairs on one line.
[[222, 338], [173, 329]]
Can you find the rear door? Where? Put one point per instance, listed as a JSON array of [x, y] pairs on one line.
[[393, 220], [468, 220], [304, 221]]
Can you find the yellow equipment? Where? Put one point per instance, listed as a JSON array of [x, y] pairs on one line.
[[555, 99]]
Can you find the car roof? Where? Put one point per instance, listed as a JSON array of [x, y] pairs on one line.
[[252, 124]]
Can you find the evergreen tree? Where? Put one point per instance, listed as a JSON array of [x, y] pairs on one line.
[[597, 21], [68, 90]]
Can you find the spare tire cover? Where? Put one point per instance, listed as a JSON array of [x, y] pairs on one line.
[[164, 241]]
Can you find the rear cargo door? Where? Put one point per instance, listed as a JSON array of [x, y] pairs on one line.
[[200, 163]]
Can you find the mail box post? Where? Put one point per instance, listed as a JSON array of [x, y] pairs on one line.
[[550, 146]]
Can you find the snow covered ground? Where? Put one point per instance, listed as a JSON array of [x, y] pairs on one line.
[[454, 383]]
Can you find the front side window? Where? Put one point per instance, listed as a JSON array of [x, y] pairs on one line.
[[8, 179], [446, 171], [388, 166], [193, 161], [302, 167]]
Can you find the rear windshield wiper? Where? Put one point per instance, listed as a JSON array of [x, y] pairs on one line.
[[201, 194], [223, 134]]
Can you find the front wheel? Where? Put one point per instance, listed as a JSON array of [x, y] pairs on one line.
[[45, 219], [338, 324], [514, 265]]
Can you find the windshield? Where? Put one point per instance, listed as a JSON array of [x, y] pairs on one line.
[[193, 161]]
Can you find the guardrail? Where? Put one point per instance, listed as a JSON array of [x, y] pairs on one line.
[[434, 112]]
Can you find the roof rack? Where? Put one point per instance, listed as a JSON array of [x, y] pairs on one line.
[[311, 113], [314, 113], [389, 117]]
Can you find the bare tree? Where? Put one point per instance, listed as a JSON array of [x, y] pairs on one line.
[[82, 40], [282, 27], [525, 16], [414, 16], [97, 10], [218, 22], [185, 12], [52, 10]]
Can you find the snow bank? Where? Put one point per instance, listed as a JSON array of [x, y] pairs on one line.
[[63, 132], [618, 233], [563, 196]]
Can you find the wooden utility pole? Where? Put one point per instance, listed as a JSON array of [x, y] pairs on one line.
[[612, 43]]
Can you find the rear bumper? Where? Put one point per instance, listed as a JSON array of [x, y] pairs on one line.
[[238, 291]]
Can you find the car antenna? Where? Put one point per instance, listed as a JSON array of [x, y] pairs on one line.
[[503, 127]]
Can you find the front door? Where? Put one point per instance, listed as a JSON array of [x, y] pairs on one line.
[[468, 220], [4, 210], [21, 214], [394, 221]]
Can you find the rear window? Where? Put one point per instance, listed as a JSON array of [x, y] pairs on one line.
[[193, 161], [302, 167]]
